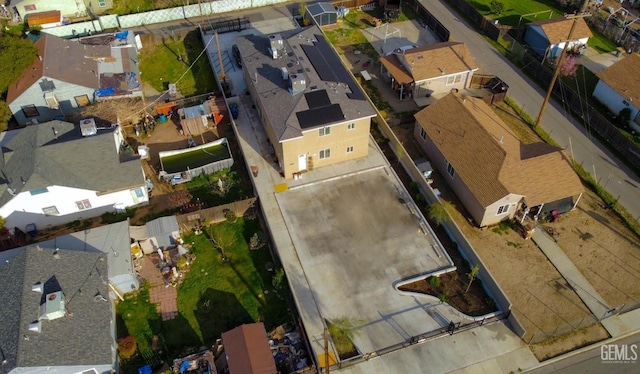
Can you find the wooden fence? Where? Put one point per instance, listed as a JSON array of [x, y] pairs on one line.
[[203, 217]]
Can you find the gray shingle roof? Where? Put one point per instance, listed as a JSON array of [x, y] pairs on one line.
[[279, 104], [35, 158], [83, 337]]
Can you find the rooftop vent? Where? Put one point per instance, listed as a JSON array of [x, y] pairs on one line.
[[297, 84], [35, 326], [285, 73], [53, 307], [38, 287], [88, 127], [276, 46]]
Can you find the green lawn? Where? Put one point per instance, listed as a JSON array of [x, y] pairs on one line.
[[139, 6], [167, 62], [513, 9], [215, 296], [601, 43]]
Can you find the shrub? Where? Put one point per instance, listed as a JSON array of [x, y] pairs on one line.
[[229, 215], [434, 281], [127, 347], [496, 7]]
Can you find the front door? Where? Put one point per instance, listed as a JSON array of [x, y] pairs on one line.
[[302, 162]]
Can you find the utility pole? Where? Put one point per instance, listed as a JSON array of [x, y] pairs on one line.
[[326, 350], [556, 72]]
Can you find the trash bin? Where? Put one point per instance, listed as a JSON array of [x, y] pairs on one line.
[[162, 118], [234, 111], [254, 171]]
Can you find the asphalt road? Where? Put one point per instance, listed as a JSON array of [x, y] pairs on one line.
[[616, 177], [599, 359]]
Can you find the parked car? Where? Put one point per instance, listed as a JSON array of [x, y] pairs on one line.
[[236, 55]]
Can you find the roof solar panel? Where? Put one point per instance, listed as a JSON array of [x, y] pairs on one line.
[[317, 99], [320, 116]]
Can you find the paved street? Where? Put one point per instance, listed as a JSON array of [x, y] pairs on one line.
[[594, 157]]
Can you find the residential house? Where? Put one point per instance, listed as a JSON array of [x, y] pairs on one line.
[[55, 313], [58, 172], [247, 350], [67, 8], [313, 111], [429, 71], [491, 171], [547, 38], [619, 88], [69, 74]]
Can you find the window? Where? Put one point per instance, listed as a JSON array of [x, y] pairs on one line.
[[325, 153], [30, 111], [38, 191], [29, 8], [350, 149], [325, 131], [102, 3], [82, 100], [453, 79], [83, 204], [503, 209], [451, 170], [50, 211], [351, 126], [423, 134]]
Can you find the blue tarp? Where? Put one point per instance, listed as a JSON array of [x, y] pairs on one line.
[[105, 91], [184, 366], [122, 34], [145, 370]]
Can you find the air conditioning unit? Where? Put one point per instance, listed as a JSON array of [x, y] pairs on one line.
[[88, 127]]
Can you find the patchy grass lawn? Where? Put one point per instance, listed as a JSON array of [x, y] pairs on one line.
[[165, 63], [139, 6], [214, 297], [513, 9], [601, 43]]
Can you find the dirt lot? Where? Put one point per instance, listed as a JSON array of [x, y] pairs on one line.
[[600, 245]]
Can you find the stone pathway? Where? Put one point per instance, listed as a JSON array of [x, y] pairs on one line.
[[159, 293]]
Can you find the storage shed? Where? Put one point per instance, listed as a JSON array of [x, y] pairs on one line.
[[323, 14]]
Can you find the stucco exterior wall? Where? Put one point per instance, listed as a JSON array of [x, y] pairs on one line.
[[102, 369], [64, 92], [337, 141], [26, 208], [439, 85], [491, 216], [612, 100]]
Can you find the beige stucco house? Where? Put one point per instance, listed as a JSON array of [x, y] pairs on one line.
[[429, 71], [491, 171], [313, 111]]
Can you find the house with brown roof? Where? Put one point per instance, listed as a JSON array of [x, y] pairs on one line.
[[247, 350], [619, 88], [69, 74], [429, 71], [548, 37], [491, 171], [313, 111]]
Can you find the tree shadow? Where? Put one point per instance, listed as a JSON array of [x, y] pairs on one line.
[[201, 70], [179, 337], [218, 311]]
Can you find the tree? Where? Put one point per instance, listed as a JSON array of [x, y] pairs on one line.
[[116, 110], [569, 66], [16, 55], [472, 275], [5, 115], [278, 279], [127, 347], [496, 7], [179, 198], [438, 213]]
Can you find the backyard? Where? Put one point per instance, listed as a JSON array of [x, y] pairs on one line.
[[530, 11], [167, 60], [215, 296]]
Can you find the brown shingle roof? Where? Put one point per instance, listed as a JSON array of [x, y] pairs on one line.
[[488, 157], [557, 29], [395, 68], [248, 351], [43, 18], [62, 59], [624, 77], [438, 59]]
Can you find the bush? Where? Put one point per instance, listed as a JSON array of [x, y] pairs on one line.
[[496, 7], [230, 216], [434, 281], [127, 347]]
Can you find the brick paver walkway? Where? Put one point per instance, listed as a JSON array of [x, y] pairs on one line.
[[164, 297]]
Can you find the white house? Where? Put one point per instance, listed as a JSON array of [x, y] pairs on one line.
[[619, 88], [68, 8], [548, 37], [58, 172]]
